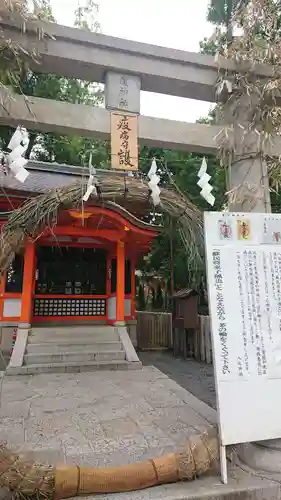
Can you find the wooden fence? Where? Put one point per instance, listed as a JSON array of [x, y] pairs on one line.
[[194, 344], [154, 330], [205, 343]]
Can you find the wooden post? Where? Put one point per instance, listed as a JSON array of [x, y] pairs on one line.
[[28, 282], [120, 288], [172, 272], [184, 343], [133, 288], [172, 275], [108, 274], [2, 291]]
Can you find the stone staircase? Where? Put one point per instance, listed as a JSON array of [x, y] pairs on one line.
[[75, 349]]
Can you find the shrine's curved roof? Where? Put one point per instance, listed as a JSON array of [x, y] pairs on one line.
[[46, 176]]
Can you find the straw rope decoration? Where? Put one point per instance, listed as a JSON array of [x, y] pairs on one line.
[[31, 219], [27, 480]]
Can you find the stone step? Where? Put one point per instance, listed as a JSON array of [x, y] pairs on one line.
[[73, 357], [73, 330], [69, 341], [73, 345], [78, 333], [82, 336], [74, 367]]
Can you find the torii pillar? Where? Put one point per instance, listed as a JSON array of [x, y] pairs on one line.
[[249, 192], [247, 181]]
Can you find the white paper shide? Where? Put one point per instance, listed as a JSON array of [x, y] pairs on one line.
[[154, 180], [204, 184], [92, 181], [15, 160]]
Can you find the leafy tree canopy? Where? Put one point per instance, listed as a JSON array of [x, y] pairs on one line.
[[50, 147]]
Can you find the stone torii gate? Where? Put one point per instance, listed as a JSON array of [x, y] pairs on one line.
[[94, 57]]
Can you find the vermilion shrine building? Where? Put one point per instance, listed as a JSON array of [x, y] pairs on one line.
[[82, 270]]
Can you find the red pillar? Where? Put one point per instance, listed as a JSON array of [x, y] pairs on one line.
[[28, 283], [120, 285]]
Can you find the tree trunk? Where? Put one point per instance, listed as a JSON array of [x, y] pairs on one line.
[[32, 140]]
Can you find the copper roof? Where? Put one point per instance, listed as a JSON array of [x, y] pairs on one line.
[[44, 176], [184, 293]]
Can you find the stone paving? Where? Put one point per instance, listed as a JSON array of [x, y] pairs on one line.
[[115, 418], [99, 418]]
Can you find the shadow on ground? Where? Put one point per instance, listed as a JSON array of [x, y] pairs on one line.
[[195, 377], [4, 360]]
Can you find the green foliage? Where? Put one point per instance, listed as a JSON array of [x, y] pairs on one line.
[[86, 16], [220, 13], [50, 147], [209, 47], [43, 9], [158, 300], [72, 150], [180, 168]]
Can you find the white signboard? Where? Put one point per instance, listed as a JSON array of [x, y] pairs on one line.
[[244, 280], [122, 92]]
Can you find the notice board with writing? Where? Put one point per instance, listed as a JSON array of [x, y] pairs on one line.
[[244, 280], [124, 141]]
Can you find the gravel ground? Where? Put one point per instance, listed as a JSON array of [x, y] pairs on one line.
[[195, 377]]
